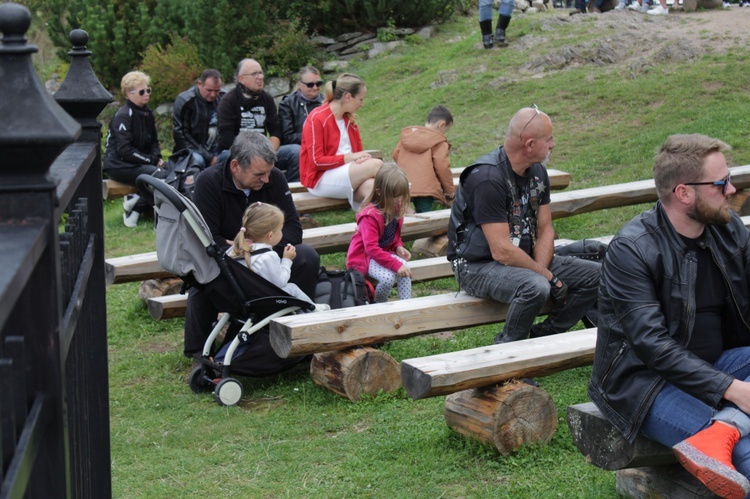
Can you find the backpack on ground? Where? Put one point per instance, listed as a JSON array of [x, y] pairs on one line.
[[342, 288]]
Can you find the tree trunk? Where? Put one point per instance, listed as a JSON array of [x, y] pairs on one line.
[[505, 417], [355, 372]]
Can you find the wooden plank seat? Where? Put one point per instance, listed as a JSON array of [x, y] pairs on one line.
[[113, 189], [378, 322], [336, 238], [644, 468], [172, 306], [485, 366], [558, 180], [426, 269]]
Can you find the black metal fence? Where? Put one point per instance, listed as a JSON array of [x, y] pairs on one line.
[[54, 413]]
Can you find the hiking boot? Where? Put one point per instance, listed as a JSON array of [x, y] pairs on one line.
[[658, 11], [130, 219], [129, 202], [487, 41], [707, 455], [500, 35]]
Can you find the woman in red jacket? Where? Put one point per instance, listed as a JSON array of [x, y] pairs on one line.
[[332, 162]]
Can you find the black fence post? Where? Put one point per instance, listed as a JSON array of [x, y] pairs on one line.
[[34, 130], [83, 97]]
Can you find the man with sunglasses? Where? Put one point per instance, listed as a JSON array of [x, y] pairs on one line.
[[501, 239], [249, 108], [672, 357], [295, 107]]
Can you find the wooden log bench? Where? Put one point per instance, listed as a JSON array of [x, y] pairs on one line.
[[336, 238], [644, 468], [484, 399]]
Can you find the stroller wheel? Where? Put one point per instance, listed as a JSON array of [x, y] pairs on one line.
[[198, 381], [228, 392]]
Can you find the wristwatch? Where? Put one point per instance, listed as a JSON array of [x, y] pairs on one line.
[[553, 282]]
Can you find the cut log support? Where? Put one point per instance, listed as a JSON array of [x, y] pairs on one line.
[[666, 482], [355, 372], [505, 417], [430, 247], [645, 468], [606, 448], [158, 288], [450, 372]]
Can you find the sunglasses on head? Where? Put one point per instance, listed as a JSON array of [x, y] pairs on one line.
[[142, 91], [723, 183], [310, 84], [538, 112]]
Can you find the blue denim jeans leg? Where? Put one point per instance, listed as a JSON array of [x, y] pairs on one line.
[[287, 159], [676, 415]]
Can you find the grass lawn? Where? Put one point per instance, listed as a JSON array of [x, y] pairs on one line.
[[289, 438]]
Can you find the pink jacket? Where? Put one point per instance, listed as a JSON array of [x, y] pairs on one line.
[[320, 141], [364, 245]]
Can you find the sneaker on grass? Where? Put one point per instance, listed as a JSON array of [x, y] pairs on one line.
[[658, 11]]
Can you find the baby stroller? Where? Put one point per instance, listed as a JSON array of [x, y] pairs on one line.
[[247, 302]]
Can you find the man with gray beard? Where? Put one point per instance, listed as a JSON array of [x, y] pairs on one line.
[[501, 239], [672, 357]]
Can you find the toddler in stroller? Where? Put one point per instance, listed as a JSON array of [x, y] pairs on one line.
[[261, 230], [248, 302]]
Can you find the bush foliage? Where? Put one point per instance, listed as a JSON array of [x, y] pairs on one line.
[[172, 68], [123, 32]]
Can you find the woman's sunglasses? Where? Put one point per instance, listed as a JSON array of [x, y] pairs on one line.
[[311, 84], [142, 91]]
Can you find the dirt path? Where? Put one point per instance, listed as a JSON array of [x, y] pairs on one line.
[[637, 41]]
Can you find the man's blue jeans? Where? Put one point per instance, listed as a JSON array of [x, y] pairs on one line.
[[675, 415], [526, 292], [287, 159], [505, 9]]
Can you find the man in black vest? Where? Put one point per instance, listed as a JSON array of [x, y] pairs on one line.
[[501, 239]]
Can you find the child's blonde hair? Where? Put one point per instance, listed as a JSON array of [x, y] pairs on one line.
[[259, 219], [390, 183]]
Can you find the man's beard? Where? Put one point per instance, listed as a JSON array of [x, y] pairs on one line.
[[703, 213], [545, 162]]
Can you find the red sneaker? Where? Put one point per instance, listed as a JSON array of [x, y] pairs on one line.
[[707, 455]]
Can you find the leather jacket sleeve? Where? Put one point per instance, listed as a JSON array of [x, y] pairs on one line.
[[287, 116]]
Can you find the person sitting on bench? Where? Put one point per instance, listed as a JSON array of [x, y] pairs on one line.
[[501, 239], [672, 357]]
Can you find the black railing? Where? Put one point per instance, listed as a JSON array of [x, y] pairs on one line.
[[54, 413]]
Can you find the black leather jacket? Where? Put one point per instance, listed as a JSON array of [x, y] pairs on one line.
[[647, 304], [293, 111], [131, 138], [191, 116]]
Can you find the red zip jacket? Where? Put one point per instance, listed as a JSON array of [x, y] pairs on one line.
[[320, 141]]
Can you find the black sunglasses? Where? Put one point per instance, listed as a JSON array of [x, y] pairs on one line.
[[723, 183], [310, 84], [142, 91]]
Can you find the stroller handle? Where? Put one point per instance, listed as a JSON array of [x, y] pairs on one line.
[[147, 184]]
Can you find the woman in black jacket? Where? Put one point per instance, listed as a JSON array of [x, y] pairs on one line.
[[132, 145]]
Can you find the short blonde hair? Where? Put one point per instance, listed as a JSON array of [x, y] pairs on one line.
[[132, 80]]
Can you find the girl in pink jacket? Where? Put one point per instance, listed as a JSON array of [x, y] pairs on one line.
[[376, 248]]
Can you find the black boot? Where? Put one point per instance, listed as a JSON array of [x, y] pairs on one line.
[[487, 40], [502, 25]]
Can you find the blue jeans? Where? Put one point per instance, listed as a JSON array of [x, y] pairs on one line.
[[526, 292], [287, 160], [675, 415], [485, 9]]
